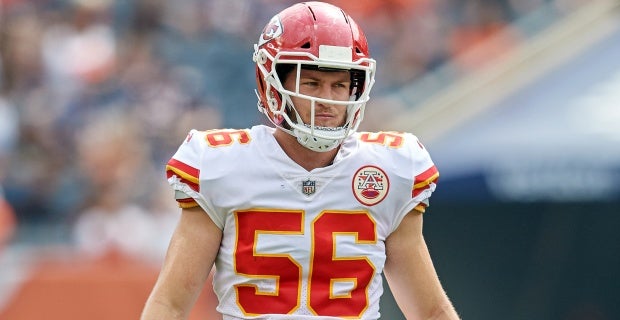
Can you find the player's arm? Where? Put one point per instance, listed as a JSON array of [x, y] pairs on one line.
[[191, 254], [411, 275]]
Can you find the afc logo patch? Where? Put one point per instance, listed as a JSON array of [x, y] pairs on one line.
[[370, 185]]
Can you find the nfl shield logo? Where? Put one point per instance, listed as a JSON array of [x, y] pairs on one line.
[[308, 187]]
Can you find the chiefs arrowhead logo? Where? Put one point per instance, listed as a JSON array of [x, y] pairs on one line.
[[272, 30], [370, 185]]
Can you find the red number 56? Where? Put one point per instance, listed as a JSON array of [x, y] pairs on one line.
[[326, 269]]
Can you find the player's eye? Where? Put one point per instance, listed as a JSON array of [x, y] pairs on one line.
[[310, 83]]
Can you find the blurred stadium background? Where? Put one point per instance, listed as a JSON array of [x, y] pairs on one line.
[[517, 100]]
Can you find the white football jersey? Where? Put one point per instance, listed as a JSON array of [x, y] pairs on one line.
[[301, 244]]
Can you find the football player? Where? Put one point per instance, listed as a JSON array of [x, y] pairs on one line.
[[300, 219]]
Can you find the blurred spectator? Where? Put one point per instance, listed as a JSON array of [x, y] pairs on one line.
[[481, 21], [20, 42], [80, 50], [111, 155], [7, 222], [8, 135], [204, 37], [418, 46], [523, 7]]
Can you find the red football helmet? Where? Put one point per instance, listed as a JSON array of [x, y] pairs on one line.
[[312, 35]]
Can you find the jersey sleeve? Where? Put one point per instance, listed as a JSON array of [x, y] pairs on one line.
[[183, 174], [418, 172], [425, 176], [420, 177]]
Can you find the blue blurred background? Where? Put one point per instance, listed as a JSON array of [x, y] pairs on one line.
[[517, 101]]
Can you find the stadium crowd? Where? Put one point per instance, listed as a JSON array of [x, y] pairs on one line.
[[95, 96]]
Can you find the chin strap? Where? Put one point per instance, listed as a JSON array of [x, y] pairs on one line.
[[320, 144]]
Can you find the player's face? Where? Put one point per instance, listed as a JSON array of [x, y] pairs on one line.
[[333, 85]]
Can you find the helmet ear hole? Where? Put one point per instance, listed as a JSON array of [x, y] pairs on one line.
[[306, 45]]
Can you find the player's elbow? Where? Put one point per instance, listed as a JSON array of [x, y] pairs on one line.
[[160, 309], [443, 311]]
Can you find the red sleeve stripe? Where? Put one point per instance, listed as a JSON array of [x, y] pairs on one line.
[[424, 179], [188, 174]]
